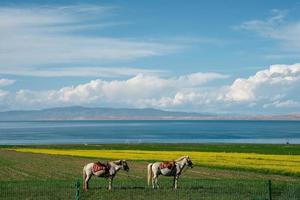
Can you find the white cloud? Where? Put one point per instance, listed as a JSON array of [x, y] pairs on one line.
[[195, 100], [47, 41], [6, 82], [274, 89], [138, 91], [3, 95], [283, 104], [80, 71], [268, 27], [277, 28], [37, 36], [265, 84], [200, 78]]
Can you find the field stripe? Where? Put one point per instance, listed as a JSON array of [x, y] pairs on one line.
[[275, 163]]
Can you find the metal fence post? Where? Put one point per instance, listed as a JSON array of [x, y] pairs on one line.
[[270, 189], [77, 185]]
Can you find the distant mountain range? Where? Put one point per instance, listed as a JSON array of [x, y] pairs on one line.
[[85, 113]]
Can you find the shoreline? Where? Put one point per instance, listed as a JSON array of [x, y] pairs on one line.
[[258, 141]]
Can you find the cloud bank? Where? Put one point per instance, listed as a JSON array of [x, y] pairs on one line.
[[274, 89], [138, 91], [265, 84]]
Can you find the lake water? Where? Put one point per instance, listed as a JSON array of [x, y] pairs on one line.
[[132, 131]]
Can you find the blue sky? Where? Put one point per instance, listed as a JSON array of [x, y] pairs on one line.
[[204, 56]]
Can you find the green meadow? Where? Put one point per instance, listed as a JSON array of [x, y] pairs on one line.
[[42, 176]]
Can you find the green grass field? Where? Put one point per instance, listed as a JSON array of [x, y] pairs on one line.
[[291, 149], [41, 176]]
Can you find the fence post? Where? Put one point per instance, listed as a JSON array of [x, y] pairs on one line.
[[270, 189], [77, 185]]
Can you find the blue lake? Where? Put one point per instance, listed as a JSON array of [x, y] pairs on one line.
[[136, 131]]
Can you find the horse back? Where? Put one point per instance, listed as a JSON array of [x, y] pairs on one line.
[[167, 164], [98, 166]]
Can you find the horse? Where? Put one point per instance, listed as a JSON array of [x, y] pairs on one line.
[[167, 168], [108, 170]]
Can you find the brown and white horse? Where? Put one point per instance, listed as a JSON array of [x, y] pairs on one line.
[[167, 168], [108, 170]]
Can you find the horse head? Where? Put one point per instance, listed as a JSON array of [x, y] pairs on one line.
[[189, 162], [125, 165]]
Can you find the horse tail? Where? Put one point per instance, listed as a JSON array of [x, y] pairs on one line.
[[150, 173], [83, 177]]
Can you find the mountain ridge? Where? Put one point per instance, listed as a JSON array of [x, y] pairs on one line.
[[107, 113], [80, 112]]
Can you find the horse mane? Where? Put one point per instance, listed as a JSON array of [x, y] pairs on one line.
[[117, 162], [181, 158]]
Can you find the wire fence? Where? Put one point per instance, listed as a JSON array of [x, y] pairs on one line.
[[135, 189]]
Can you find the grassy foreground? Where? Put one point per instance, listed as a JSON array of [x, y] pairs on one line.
[[285, 164], [242, 157], [25, 175]]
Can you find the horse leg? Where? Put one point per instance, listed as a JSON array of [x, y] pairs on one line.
[[87, 179], [83, 178], [155, 182], [84, 175], [175, 181], [157, 185], [110, 179]]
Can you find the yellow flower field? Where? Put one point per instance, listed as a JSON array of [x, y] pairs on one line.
[[275, 163]]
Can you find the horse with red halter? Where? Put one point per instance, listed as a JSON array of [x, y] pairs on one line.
[[167, 168], [106, 170]]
